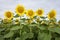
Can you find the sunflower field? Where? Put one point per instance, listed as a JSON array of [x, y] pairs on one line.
[[35, 26]]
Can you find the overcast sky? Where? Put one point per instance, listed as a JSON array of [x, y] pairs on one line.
[[47, 5]]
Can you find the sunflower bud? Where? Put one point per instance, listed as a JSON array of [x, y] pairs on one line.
[[17, 21], [42, 22], [38, 20]]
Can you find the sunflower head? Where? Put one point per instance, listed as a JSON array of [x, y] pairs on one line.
[[52, 14], [6, 21], [8, 15], [30, 13], [39, 12], [20, 10]]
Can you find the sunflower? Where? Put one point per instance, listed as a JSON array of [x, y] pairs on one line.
[[6, 21], [39, 12], [20, 10], [17, 21], [8, 15], [30, 13], [52, 14]]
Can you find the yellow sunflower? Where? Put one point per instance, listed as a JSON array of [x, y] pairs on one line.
[[8, 15], [30, 13], [39, 12], [20, 10], [52, 14]]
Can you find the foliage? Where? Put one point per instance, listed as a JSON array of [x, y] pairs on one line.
[[36, 28]]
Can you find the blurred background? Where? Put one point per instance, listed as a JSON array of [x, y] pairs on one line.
[[47, 5]]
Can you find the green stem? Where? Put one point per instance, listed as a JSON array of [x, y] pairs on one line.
[[20, 26], [20, 31], [30, 28]]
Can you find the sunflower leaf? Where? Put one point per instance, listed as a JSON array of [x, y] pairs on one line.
[[17, 38], [54, 29], [44, 36], [16, 15], [8, 35], [15, 28], [57, 38], [1, 37]]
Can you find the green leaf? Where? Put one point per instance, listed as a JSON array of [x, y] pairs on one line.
[[40, 36], [35, 17], [25, 28], [47, 37], [8, 35], [44, 36], [43, 27], [17, 38], [57, 38], [2, 29], [53, 20], [43, 17], [1, 37], [32, 25], [16, 15], [24, 35], [22, 39], [15, 28], [35, 29], [54, 29], [30, 35]]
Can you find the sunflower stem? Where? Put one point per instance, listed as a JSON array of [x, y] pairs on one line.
[[20, 25]]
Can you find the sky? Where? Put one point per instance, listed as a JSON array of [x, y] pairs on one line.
[[47, 5]]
